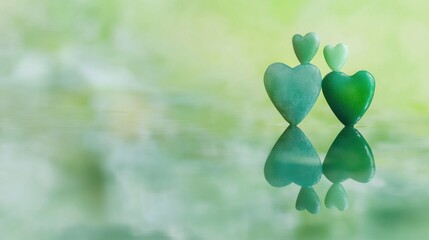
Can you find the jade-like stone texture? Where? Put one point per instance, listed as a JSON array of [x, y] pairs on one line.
[[349, 157], [293, 159], [305, 47], [336, 56], [336, 197], [307, 200], [349, 96], [293, 91]]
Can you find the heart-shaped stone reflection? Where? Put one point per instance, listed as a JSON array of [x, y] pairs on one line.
[[308, 200], [336, 197], [349, 96], [336, 56], [349, 156], [293, 159], [293, 91], [305, 47]]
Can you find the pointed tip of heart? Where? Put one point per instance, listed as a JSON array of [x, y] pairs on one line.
[[336, 56]]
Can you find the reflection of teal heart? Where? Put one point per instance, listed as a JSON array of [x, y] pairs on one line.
[[293, 159], [308, 199], [349, 156], [349, 96], [336, 197], [293, 91]]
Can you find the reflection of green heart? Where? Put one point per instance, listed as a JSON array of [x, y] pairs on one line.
[[349, 96], [293, 159], [308, 199], [349, 156], [305, 47], [336, 197], [336, 56], [293, 91]]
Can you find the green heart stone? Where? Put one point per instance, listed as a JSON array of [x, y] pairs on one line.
[[349, 157], [293, 159], [336, 197], [293, 91], [349, 96], [305, 47], [336, 56], [308, 199]]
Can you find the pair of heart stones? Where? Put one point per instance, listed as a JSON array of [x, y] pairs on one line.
[[294, 91]]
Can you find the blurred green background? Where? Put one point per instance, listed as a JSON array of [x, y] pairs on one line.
[[149, 120]]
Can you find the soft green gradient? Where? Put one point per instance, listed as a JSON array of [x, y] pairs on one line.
[[149, 119]]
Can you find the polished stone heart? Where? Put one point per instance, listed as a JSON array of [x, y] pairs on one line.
[[293, 159], [336, 197], [305, 47], [293, 91], [349, 96], [336, 56], [308, 200], [349, 156]]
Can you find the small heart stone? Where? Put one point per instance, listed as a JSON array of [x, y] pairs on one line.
[[349, 96], [308, 200], [336, 197], [293, 91], [305, 47], [349, 157], [336, 56], [293, 159]]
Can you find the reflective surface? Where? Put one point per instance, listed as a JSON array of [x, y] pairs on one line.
[[293, 159], [148, 119]]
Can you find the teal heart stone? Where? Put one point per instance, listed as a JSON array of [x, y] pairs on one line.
[[293, 159], [349, 157], [305, 47], [349, 96], [336, 197], [293, 91], [308, 200]]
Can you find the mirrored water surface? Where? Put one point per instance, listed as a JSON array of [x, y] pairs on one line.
[[115, 167], [149, 120]]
